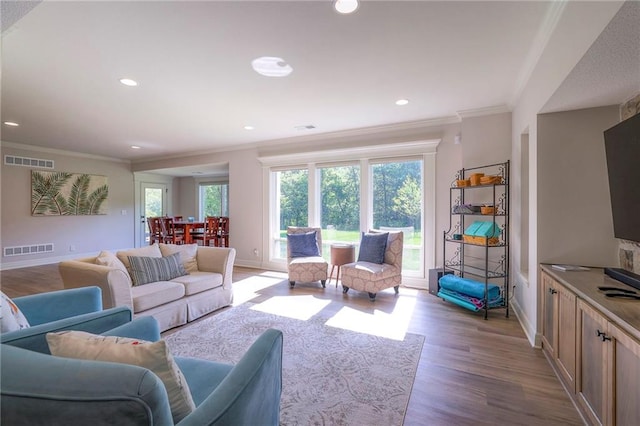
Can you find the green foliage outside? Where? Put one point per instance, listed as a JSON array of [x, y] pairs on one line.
[[294, 202], [153, 202], [214, 198]]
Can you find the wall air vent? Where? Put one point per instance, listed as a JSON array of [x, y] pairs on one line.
[[14, 160], [31, 249]]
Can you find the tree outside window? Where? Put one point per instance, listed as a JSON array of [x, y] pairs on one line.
[[214, 199]]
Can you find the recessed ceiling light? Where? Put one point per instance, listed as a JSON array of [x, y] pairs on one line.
[[249, 127], [401, 102], [135, 147], [271, 66], [128, 82], [11, 123], [345, 6]]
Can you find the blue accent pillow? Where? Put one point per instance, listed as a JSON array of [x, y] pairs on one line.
[[372, 247], [303, 245]]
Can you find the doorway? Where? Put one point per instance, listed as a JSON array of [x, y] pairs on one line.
[[154, 203]]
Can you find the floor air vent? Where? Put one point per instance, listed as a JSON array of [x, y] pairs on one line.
[[32, 249], [14, 160]]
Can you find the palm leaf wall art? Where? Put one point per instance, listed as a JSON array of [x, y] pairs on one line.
[[65, 194]]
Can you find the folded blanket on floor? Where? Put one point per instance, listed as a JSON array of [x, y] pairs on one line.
[[468, 287], [466, 301]]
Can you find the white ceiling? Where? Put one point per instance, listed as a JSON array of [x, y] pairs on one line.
[[61, 64]]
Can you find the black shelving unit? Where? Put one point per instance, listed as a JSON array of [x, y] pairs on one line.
[[481, 262]]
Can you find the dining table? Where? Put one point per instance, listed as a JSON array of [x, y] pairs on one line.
[[188, 228]]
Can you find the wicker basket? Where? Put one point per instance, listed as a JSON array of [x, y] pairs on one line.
[[462, 183], [487, 209], [489, 180], [475, 178], [482, 241]]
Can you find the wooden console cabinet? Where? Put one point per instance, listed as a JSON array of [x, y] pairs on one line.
[[593, 343]]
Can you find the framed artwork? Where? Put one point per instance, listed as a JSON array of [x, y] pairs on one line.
[[68, 194]]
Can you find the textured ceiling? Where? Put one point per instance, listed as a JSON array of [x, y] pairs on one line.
[[62, 61]]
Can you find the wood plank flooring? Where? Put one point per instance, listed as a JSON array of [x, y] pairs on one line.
[[471, 371]]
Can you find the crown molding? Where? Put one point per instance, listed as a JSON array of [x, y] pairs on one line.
[[420, 147], [478, 112], [36, 148], [538, 45]]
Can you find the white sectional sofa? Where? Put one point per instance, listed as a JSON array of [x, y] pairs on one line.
[[204, 288]]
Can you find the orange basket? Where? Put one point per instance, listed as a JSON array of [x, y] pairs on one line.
[[489, 180], [487, 209], [462, 183], [475, 178]]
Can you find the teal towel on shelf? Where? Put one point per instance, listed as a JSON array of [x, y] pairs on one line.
[[469, 302], [468, 287]]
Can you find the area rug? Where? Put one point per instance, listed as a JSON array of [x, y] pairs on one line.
[[330, 376]]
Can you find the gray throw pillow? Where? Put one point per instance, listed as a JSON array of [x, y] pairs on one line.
[[303, 245], [152, 269], [372, 247]]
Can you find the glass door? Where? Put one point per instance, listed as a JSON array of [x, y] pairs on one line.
[[153, 205]]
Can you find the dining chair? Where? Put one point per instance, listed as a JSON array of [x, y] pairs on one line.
[[210, 232], [171, 235], [223, 231], [155, 230]]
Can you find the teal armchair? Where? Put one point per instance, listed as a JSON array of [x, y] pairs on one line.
[[74, 309], [40, 389]]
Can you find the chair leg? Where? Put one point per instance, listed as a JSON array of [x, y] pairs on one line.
[[345, 290], [372, 296], [291, 284], [397, 289], [324, 283]]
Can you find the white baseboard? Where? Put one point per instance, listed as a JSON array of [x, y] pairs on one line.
[[529, 330]]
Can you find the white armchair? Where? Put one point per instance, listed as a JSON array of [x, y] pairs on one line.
[[374, 277], [306, 268]]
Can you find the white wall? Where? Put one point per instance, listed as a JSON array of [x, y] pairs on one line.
[[87, 234], [569, 41], [574, 210]]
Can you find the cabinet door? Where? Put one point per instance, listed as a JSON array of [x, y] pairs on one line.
[[549, 315], [565, 346], [592, 364], [625, 370]]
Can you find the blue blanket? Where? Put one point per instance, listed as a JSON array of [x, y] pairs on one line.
[[468, 302], [469, 287]]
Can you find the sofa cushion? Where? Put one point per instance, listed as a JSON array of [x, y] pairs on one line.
[[198, 282], [12, 318], [148, 251], [372, 247], [152, 269], [155, 294], [303, 245], [187, 252], [154, 356]]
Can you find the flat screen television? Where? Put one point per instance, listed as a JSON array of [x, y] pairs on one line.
[[622, 147]]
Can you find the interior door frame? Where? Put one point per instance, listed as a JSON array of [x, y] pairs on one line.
[[143, 181]]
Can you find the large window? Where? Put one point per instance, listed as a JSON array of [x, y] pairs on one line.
[[214, 199], [292, 205], [332, 197], [397, 205]]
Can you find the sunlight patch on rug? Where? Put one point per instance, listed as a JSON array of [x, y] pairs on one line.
[[392, 325], [296, 307], [331, 376]]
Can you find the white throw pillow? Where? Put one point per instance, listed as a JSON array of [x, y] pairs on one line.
[[147, 251], [188, 253], [154, 356], [12, 318], [106, 258]]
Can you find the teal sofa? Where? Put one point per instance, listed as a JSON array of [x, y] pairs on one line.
[[40, 389], [73, 309]]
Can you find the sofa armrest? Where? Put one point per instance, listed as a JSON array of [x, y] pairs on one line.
[[143, 328], [44, 389], [250, 393], [55, 305], [34, 338], [217, 259], [114, 283]]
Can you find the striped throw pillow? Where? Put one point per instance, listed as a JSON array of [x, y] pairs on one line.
[[152, 269]]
